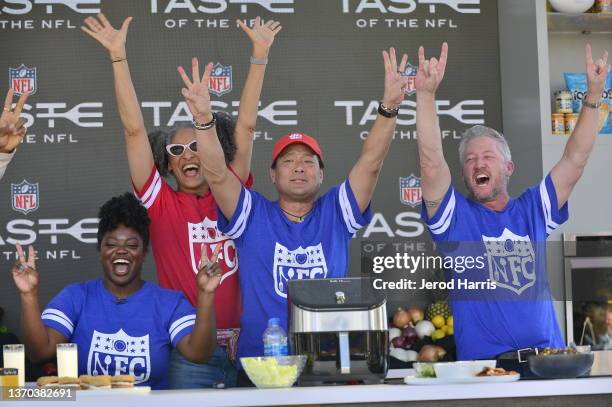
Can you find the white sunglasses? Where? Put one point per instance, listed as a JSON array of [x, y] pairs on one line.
[[176, 150]]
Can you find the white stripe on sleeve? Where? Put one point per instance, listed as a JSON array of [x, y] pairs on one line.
[[151, 194], [347, 212], [445, 220], [180, 321], [241, 222], [180, 327], [59, 317], [547, 208]]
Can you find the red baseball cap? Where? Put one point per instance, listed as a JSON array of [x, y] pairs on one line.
[[293, 138]]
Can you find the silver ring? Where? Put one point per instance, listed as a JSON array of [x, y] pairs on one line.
[[22, 268]]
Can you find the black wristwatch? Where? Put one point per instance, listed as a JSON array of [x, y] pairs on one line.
[[386, 111]]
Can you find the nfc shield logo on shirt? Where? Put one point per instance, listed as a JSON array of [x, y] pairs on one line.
[[206, 232], [298, 264], [119, 354], [511, 261]]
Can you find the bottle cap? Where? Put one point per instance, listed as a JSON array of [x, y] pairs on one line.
[[273, 321]]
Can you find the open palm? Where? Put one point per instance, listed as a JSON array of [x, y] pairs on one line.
[[102, 31], [261, 35], [24, 271]]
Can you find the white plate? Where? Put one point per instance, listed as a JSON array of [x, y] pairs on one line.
[[476, 379], [131, 390]]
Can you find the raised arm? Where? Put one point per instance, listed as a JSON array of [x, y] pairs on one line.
[[200, 344], [435, 174], [40, 341], [224, 186], [364, 174], [569, 169], [262, 37], [140, 156]]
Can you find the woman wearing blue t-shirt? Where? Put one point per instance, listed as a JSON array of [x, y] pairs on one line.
[[120, 323]]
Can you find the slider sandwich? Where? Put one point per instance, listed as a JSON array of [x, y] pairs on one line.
[[47, 381], [122, 381], [95, 382], [69, 382]]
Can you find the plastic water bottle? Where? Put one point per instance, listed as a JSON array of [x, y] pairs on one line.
[[275, 339]]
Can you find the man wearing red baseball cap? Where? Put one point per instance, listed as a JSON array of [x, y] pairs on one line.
[[302, 235]]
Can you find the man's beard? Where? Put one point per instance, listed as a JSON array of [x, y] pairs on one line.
[[495, 192]]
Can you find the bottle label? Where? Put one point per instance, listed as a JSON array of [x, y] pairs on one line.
[[275, 349]]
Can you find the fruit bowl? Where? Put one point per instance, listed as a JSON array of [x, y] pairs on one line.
[[269, 372], [565, 366]]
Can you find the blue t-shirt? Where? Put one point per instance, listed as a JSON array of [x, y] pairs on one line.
[[273, 250], [115, 337], [519, 313]]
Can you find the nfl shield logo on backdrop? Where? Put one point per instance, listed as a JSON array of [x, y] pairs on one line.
[[411, 73], [24, 197], [410, 190], [220, 81], [23, 80], [118, 353]]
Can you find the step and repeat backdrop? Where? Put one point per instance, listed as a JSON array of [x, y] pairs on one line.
[[324, 77]]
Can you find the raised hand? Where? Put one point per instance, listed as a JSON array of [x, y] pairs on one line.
[[209, 274], [261, 35], [196, 92], [24, 271], [431, 72], [395, 82], [110, 38], [597, 72], [12, 128]]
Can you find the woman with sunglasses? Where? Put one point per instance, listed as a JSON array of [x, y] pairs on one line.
[[184, 219]]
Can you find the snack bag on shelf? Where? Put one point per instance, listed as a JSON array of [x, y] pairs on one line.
[[577, 85]]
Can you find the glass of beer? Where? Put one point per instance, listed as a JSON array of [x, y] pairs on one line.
[[9, 379], [67, 360], [14, 357]]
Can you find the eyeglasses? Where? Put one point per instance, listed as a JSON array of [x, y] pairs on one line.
[[176, 150]]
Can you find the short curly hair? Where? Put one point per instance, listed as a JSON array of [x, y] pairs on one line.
[[159, 139], [124, 210]]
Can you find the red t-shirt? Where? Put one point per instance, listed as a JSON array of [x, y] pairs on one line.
[[180, 223]]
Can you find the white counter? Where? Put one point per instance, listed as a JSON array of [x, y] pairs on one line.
[[344, 394]]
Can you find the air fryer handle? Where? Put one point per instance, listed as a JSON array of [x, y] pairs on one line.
[[345, 353]]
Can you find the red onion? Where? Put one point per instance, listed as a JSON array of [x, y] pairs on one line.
[[410, 336]]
